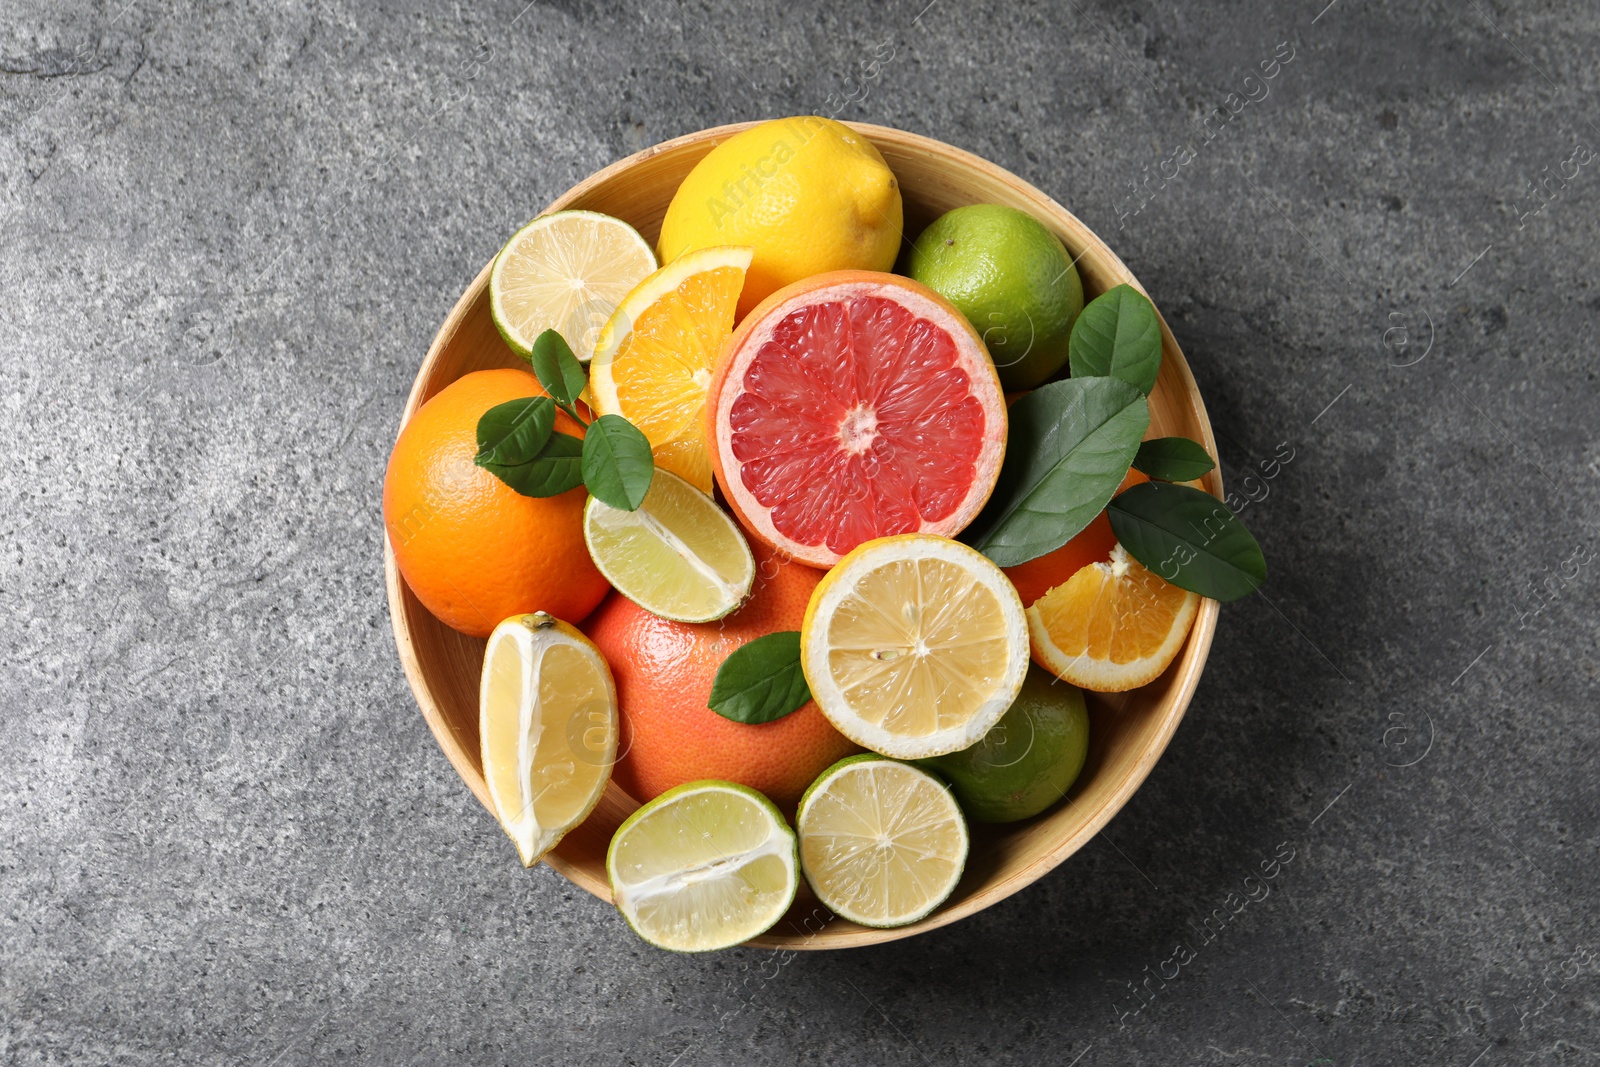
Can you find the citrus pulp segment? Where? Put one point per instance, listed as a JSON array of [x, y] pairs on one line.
[[704, 866], [547, 724], [566, 271], [882, 843], [855, 405], [654, 359], [1111, 626], [914, 645], [678, 556]]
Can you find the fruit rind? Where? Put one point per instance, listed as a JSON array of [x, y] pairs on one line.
[[543, 630], [846, 766], [758, 326], [619, 894], [839, 582]]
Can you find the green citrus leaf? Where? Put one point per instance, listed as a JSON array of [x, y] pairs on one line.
[[617, 464], [557, 468], [1118, 335], [1069, 448], [557, 369], [1173, 459], [1189, 538], [761, 681], [515, 431]]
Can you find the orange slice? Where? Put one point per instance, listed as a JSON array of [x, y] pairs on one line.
[[654, 358], [1111, 626]]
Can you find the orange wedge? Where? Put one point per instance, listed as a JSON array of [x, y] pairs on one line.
[[654, 358], [1111, 626]]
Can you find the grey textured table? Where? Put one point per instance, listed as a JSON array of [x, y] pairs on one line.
[[227, 235]]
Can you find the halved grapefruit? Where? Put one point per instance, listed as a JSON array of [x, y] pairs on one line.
[[853, 405]]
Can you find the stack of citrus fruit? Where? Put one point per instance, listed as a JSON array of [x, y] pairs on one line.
[[711, 539]]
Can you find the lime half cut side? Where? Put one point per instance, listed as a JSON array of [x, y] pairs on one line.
[[566, 271], [705, 866], [882, 843]]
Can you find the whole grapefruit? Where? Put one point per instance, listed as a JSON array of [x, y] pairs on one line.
[[474, 550], [664, 671]]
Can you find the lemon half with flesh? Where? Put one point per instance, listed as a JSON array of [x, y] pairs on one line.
[[914, 645]]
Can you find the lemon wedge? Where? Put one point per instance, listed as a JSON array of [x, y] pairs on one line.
[[547, 723]]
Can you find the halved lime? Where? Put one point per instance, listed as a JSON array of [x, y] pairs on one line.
[[678, 556], [547, 722], [566, 271], [882, 843], [704, 866]]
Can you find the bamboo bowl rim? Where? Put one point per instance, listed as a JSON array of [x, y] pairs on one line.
[[1083, 243]]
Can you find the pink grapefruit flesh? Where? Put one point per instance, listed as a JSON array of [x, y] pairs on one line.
[[855, 405]]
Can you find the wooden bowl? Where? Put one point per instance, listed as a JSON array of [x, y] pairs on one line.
[[1128, 731]]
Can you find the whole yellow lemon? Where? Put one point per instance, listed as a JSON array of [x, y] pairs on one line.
[[808, 193]]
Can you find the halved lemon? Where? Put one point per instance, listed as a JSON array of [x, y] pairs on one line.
[[1111, 626], [704, 866], [547, 721], [678, 556], [565, 271], [653, 361], [914, 645], [882, 843]]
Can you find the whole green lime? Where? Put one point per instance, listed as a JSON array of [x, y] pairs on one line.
[[1011, 278], [1028, 760]]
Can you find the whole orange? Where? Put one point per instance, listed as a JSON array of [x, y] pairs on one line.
[[474, 550], [1092, 544], [664, 671]]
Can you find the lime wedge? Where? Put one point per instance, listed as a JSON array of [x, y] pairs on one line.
[[566, 271], [547, 722], [882, 843], [704, 866], [678, 556]]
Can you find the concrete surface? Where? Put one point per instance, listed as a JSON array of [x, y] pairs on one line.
[[227, 234]]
